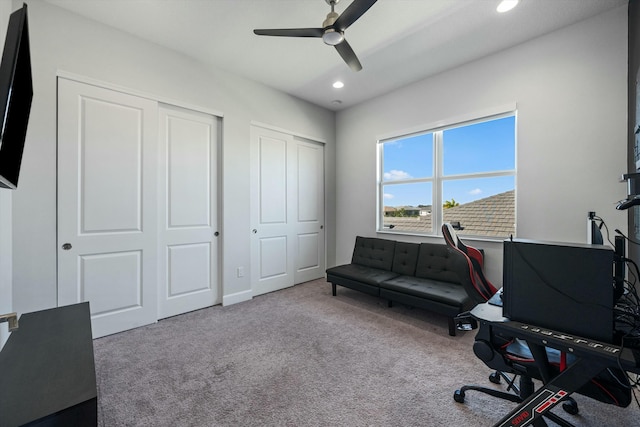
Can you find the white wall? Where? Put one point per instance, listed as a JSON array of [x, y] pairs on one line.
[[6, 295], [570, 87], [61, 41]]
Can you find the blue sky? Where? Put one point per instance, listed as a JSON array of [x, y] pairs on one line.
[[481, 147]]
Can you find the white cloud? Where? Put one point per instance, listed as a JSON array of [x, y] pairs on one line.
[[475, 192], [388, 196], [394, 175]]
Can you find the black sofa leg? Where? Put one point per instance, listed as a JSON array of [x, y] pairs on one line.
[[390, 303], [452, 326], [333, 289]]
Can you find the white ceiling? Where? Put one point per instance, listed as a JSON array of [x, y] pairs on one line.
[[397, 41]]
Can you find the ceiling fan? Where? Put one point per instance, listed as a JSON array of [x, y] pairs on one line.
[[332, 31]]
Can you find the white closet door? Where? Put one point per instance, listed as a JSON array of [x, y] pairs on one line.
[[107, 226], [309, 219], [188, 211], [272, 210], [287, 210]]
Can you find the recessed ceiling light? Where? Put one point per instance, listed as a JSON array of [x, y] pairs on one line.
[[507, 5], [338, 84], [336, 102]]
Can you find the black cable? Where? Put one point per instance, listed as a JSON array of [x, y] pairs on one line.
[[635, 242]]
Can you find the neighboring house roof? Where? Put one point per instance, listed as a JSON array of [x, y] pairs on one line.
[[492, 216]]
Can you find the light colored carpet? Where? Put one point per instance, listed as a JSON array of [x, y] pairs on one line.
[[301, 357]]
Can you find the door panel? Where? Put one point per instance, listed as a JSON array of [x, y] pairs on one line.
[[189, 154], [189, 269], [111, 282], [110, 196], [273, 180], [106, 205], [308, 251], [188, 173], [273, 257]]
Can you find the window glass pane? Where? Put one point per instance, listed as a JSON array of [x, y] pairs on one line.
[[408, 158], [407, 207], [481, 147], [483, 206]]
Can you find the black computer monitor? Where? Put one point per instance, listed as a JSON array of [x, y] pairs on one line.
[[16, 93], [560, 286]]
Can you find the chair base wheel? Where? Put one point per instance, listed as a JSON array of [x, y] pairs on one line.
[[495, 378], [458, 396], [571, 407]]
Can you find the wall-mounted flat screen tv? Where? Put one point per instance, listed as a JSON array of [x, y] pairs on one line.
[[16, 93]]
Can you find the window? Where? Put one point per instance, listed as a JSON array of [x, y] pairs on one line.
[[463, 174]]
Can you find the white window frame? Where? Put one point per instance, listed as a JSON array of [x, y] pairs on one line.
[[437, 179]]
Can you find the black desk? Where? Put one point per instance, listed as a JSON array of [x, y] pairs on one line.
[[48, 371], [591, 358]]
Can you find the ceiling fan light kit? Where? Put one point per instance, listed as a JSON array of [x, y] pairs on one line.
[[332, 31], [332, 37], [507, 5]]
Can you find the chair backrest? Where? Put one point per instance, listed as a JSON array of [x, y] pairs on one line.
[[475, 258]]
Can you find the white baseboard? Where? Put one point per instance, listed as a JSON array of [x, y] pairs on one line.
[[237, 297]]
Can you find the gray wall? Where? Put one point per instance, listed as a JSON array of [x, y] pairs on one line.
[[62, 41], [570, 87]]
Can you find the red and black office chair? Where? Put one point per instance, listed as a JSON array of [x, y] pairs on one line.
[[483, 288], [475, 259], [484, 291], [512, 359]]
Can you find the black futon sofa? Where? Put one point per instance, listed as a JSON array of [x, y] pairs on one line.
[[425, 275]]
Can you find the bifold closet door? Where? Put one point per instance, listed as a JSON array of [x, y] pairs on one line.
[[188, 234], [107, 188]]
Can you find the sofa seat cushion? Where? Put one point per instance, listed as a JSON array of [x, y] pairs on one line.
[[368, 275], [445, 292]]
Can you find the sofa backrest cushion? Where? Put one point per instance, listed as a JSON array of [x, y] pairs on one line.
[[373, 252], [405, 258], [438, 262]]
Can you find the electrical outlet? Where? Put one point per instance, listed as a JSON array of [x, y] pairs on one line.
[[240, 271]]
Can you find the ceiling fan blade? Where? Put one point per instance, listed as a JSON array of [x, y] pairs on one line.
[[291, 32], [349, 56], [352, 13]]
